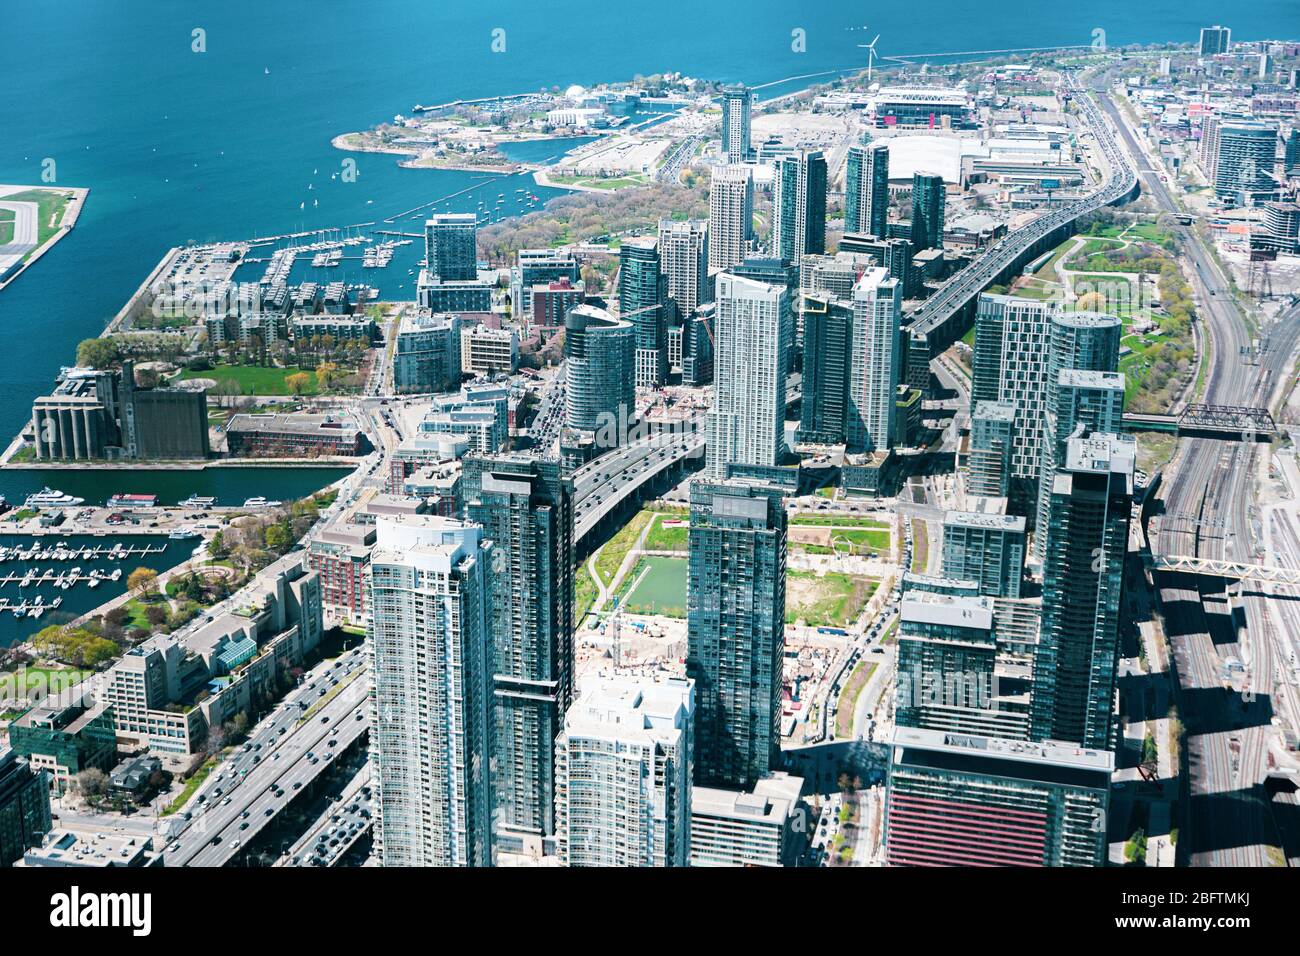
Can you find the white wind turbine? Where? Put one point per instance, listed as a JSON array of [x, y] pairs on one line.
[[871, 55]]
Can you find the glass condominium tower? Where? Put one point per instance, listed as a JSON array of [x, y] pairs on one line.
[[450, 246], [875, 361], [526, 509], [1083, 584], [737, 105], [799, 205], [735, 605], [643, 299], [431, 722], [866, 189]]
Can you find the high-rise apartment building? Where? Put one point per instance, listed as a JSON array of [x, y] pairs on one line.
[[539, 267], [599, 355], [988, 463], [623, 774], [875, 361], [736, 629], [526, 509], [1245, 154], [431, 736], [1083, 582], [928, 195], [731, 216], [987, 546], [643, 301], [747, 420], [827, 333], [799, 205], [737, 105], [866, 189], [758, 827], [450, 246], [1010, 367], [24, 807], [684, 261]]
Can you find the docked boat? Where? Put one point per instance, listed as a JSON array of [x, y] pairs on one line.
[[259, 502], [184, 532], [50, 498], [198, 501]]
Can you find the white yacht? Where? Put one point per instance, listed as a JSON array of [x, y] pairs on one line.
[[49, 498]]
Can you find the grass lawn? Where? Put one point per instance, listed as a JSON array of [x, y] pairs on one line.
[[829, 600], [584, 593], [196, 779], [668, 539], [253, 379], [657, 585], [50, 205], [839, 521], [616, 548], [45, 679], [859, 541]]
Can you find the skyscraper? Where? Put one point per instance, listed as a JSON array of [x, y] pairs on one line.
[[731, 216], [526, 509], [684, 261], [1094, 399], [928, 194], [1083, 581], [737, 104], [799, 205], [1215, 40], [450, 246], [747, 420], [736, 629], [1245, 155], [1291, 153], [599, 355], [432, 719], [623, 774], [643, 298], [827, 332], [1010, 367], [875, 361], [866, 189]]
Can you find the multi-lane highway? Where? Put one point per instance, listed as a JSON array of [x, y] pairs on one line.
[[1207, 513], [283, 755]]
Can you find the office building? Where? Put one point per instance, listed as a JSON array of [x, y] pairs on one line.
[[827, 334], [751, 339], [684, 261], [1083, 583], [600, 353], [526, 509], [799, 205], [866, 189], [489, 351], [623, 774], [1215, 40], [431, 725], [64, 739], [24, 807], [731, 216], [295, 435], [875, 361], [972, 800], [986, 546], [737, 105], [643, 301], [450, 246], [756, 827], [1093, 399], [928, 194], [427, 353], [988, 462], [736, 629]]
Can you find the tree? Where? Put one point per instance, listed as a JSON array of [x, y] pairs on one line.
[[143, 581], [278, 538], [98, 353], [217, 546], [156, 614], [92, 782], [297, 383]]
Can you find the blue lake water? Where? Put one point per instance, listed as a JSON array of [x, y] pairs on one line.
[[178, 145]]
